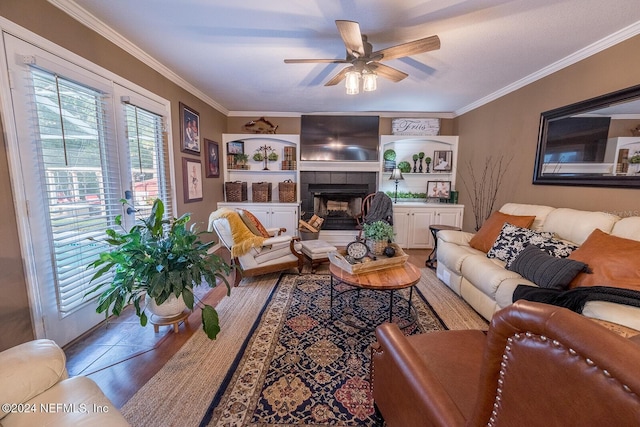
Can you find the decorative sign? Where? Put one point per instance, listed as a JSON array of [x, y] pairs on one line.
[[417, 127]]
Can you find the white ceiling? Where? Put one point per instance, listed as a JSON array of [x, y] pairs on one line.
[[233, 51]]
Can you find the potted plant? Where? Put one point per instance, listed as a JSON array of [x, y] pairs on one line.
[[389, 157], [377, 234], [241, 159], [156, 261]]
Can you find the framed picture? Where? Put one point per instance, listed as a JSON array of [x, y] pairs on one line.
[[235, 147], [192, 180], [189, 130], [212, 159], [439, 189], [442, 161]]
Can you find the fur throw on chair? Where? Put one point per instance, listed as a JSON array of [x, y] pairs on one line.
[[243, 238], [381, 209]]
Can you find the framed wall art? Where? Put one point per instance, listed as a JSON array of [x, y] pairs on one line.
[[439, 189], [442, 161], [189, 130], [235, 147], [212, 158], [192, 180]]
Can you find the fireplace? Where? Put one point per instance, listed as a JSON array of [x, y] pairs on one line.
[[335, 196]]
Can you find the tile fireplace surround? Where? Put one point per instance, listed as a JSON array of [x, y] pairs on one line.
[[335, 191]]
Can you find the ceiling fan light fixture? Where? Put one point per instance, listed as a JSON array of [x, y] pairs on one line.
[[352, 82], [369, 83]]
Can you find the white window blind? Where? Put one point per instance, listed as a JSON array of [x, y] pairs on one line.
[[78, 173], [149, 158]]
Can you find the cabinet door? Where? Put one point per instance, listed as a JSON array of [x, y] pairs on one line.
[[419, 234], [401, 226], [451, 217], [285, 216]]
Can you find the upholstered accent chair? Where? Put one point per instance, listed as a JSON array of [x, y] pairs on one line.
[[255, 254], [538, 365]]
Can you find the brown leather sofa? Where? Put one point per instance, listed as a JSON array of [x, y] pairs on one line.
[[538, 365]]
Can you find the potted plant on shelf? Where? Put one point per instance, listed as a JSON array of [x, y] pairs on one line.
[[154, 263], [241, 160], [378, 234]]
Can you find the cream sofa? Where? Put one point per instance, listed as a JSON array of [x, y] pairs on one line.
[[35, 391], [488, 286]]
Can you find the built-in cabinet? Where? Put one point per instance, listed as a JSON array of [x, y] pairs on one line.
[[411, 222], [405, 147], [275, 213]]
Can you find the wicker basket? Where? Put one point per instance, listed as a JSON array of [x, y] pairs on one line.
[[261, 192], [235, 191], [287, 191]]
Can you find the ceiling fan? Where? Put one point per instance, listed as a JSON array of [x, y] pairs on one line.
[[363, 59]]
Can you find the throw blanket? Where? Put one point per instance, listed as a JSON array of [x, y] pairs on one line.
[[575, 299], [243, 238], [381, 209]]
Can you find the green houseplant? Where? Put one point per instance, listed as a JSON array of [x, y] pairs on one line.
[[157, 259], [377, 234]]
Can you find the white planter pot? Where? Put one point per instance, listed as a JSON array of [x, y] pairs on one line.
[[170, 308]]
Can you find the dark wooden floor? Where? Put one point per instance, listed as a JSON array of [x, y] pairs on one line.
[[121, 356]]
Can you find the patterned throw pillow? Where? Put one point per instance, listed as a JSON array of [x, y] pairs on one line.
[[556, 248], [253, 223], [545, 270], [512, 240]]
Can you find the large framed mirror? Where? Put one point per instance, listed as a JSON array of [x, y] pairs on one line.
[[591, 143]]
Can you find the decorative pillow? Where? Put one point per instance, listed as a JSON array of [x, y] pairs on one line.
[[556, 248], [484, 238], [545, 270], [253, 223], [513, 239], [613, 261]]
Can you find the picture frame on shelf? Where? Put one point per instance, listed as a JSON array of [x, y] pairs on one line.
[[438, 189], [192, 180], [442, 161], [212, 159], [235, 147], [189, 130]]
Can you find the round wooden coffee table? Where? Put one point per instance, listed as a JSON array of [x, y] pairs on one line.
[[387, 280]]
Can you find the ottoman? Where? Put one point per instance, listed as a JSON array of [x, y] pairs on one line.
[[316, 252]]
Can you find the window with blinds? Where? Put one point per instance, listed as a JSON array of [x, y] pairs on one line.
[[77, 173], [149, 158]]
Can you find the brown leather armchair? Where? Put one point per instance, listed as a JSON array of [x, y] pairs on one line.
[[538, 365]]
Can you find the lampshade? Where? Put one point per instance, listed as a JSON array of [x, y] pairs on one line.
[[396, 175], [352, 82], [369, 81]]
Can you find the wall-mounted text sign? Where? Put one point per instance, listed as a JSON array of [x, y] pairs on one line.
[[418, 127]]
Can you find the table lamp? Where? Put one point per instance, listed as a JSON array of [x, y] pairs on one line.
[[396, 176]]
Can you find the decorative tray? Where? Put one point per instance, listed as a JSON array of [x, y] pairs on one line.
[[368, 263]]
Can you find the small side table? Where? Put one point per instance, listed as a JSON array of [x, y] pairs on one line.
[[432, 259]]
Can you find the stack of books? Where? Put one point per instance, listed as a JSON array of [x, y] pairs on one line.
[[289, 159]]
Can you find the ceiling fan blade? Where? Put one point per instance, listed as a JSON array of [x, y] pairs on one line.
[[410, 48], [338, 77], [387, 72], [314, 61], [352, 37]]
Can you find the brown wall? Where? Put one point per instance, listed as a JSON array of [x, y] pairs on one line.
[[49, 22], [509, 125]]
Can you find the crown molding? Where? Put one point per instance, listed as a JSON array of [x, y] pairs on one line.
[[385, 114], [611, 40], [81, 15]]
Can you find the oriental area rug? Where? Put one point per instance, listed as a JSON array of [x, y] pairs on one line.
[[294, 364]]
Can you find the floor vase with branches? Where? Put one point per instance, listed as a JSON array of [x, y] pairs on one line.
[[482, 186]]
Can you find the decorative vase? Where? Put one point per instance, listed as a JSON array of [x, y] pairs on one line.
[[420, 166], [170, 308], [428, 167], [415, 167], [376, 246]]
